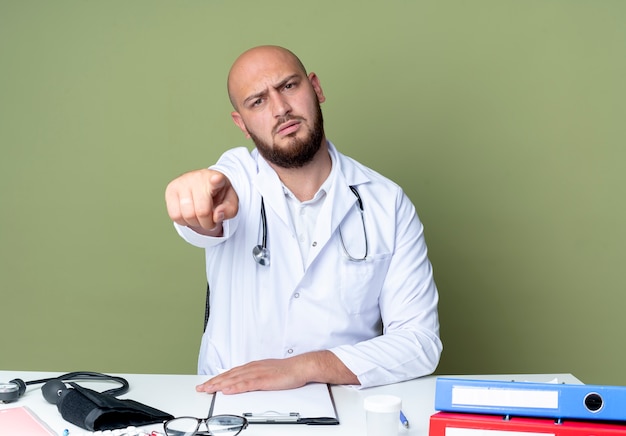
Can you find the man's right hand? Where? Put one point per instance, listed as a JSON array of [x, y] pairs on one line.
[[201, 200]]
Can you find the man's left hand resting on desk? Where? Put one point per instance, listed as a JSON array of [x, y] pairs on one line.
[[278, 374]]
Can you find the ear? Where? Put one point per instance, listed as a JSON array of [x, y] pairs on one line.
[[315, 82], [239, 122]]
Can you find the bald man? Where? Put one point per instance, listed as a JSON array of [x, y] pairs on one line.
[[317, 265]]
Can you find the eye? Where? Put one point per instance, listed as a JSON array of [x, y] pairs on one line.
[[256, 103], [290, 86]]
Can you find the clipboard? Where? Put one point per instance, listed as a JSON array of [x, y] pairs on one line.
[[312, 404]]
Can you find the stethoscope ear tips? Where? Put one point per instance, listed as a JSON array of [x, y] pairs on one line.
[[261, 255]]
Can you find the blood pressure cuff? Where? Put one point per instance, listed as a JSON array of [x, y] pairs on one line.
[[95, 411]]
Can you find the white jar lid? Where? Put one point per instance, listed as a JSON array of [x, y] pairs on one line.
[[382, 403]]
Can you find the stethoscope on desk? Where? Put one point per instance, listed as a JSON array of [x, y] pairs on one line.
[[261, 253]]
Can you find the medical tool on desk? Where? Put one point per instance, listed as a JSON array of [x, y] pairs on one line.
[[54, 386], [261, 253], [86, 408]]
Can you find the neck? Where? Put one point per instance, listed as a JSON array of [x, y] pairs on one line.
[[304, 182]]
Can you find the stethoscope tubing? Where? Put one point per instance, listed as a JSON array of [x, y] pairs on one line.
[[260, 253]]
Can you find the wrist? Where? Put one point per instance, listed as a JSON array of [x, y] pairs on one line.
[[215, 232], [325, 367]]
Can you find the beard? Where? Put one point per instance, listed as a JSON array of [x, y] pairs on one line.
[[298, 152]]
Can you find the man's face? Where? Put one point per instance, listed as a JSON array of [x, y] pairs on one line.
[[278, 106], [299, 146]]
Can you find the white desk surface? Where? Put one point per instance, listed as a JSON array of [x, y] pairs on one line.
[[175, 394]]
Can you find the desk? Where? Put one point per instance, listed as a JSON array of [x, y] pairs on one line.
[[176, 394]]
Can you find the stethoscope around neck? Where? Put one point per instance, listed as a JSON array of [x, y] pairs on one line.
[[261, 253]]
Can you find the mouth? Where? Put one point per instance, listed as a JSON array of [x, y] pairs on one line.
[[288, 127]]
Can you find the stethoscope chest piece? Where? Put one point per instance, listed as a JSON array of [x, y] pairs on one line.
[[261, 255]]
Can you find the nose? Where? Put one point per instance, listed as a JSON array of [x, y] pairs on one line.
[[280, 106]]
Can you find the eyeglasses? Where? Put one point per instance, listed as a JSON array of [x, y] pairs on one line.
[[228, 425]]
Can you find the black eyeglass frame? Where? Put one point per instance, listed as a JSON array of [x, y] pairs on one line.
[[206, 422]]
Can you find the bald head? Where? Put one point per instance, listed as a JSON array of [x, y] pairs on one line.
[[256, 63]]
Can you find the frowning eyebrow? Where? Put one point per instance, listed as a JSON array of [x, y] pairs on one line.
[[263, 93]]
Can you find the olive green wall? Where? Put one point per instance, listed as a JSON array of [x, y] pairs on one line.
[[503, 120]]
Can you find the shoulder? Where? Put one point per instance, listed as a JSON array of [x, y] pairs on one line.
[[357, 174], [378, 191], [238, 164], [237, 156]]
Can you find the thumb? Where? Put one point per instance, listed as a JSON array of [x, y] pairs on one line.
[[230, 203], [224, 197]]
